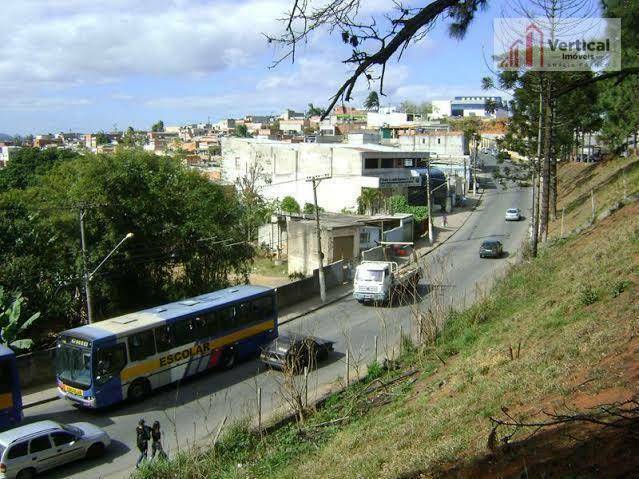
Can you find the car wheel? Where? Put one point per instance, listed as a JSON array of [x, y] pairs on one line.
[[139, 390], [26, 473], [228, 359], [96, 450]]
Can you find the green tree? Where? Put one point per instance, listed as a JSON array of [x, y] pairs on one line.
[[290, 205], [372, 101], [28, 164], [241, 131], [370, 201], [399, 204], [314, 111], [101, 138], [423, 108], [158, 127], [12, 325], [128, 138], [177, 215], [309, 209]]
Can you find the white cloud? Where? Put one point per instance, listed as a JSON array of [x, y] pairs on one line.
[[46, 42]]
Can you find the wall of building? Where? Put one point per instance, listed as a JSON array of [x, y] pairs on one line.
[[297, 291], [302, 245], [438, 142], [36, 368], [441, 109]]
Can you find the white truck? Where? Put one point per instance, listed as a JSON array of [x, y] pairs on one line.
[[382, 281]]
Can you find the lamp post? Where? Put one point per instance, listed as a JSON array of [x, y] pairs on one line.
[[88, 276]]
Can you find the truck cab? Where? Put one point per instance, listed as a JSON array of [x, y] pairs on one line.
[[373, 280]]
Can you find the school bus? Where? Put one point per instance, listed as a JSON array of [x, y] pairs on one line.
[[128, 356]]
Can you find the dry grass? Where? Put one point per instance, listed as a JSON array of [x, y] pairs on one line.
[[571, 317]]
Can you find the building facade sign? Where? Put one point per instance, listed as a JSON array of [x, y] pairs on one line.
[[393, 182]]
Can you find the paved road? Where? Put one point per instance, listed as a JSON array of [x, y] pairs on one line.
[[198, 406]]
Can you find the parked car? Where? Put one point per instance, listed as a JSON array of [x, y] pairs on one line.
[[28, 450], [513, 214], [491, 249], [295, 351]]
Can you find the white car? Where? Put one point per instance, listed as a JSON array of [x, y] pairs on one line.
[[513, 214], [28, 450]]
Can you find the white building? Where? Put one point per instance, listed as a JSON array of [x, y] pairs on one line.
[[283, 169], [5, 153], [441, 109], [441, 143]]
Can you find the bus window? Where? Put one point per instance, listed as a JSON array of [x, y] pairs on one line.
[[163, 338], [200, 327], [263, 307], [109, 362], [183, 332], [5, 377], [141, 345], [244, 315], [226, 319]]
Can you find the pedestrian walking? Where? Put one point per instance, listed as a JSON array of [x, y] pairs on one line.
[[143, 433], [445, 220], [156, 445]]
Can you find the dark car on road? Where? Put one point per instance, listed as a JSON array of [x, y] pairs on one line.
[[295, 351], [491, 249]]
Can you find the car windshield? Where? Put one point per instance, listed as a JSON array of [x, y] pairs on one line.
[[370, 275], [73, 365], [76, 431], [489, 244], [512, 210]]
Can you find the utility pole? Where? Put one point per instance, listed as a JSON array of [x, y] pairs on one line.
[[476, 143], [320, 255], [430, 217], [87, 288]]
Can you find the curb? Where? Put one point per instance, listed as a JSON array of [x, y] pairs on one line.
[[40, 402], [314, 308]]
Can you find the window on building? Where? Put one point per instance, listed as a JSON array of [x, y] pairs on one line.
[[423, 141], [371, 163], [409, 162], [388, 163], [364, 237], [439, 141]]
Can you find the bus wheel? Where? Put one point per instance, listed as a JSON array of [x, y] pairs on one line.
[[139, 389], [228, 359]]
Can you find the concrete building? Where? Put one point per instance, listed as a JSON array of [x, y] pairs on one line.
[[441, 109], [6, 150], [284, 168], [294, 127], [443, 143], [344, 237], [476, 106]]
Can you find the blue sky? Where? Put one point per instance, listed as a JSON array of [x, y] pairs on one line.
[[87, 66]]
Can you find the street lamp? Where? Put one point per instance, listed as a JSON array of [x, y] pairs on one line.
[[89, 276]]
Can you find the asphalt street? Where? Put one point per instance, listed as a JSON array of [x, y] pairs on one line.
[[194, 410]]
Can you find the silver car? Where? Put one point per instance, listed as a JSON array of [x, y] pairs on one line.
[[513, 214], [28, 450]]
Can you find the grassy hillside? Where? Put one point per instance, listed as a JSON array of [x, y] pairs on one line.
[[559, 333]]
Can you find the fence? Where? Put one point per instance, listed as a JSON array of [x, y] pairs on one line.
[[297, 291]]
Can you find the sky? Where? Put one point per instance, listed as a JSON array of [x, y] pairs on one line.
[[79, 65]]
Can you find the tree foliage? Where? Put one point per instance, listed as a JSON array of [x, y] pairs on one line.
[[314, 111], [158, 127], [181, 222], [423, 108], [241, 131], [290, 205], [12, 323], [101, 138], [399, 204], [372, 101], [28, 164], [309, 209]]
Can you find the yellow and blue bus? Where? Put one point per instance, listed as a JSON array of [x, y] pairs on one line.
[[10, 397], [128, 356]]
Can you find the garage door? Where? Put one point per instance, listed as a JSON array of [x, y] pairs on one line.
[[343, 247]]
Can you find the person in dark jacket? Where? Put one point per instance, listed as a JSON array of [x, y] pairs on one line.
[[143, 433], [156, 445]]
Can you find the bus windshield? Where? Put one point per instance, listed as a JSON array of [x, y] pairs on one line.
[[73, 365]]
